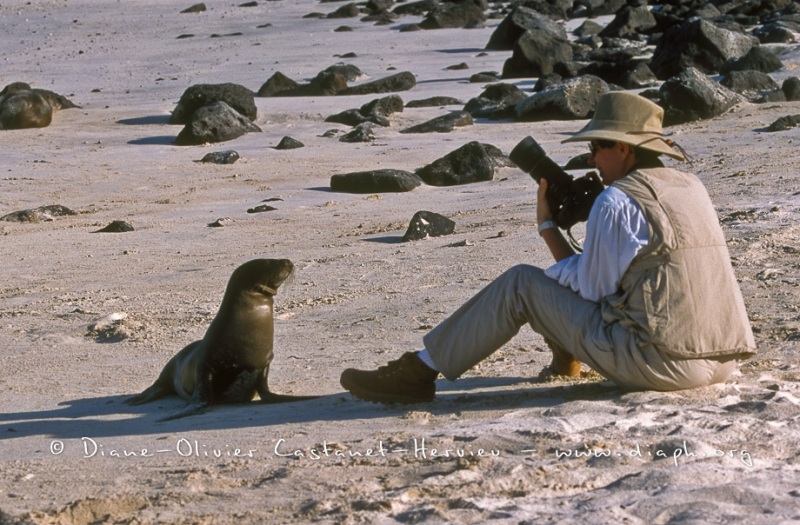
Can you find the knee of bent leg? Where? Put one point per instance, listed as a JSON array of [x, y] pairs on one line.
[[522, 272]]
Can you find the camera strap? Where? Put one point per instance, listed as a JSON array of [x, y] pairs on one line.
[[577, 246]]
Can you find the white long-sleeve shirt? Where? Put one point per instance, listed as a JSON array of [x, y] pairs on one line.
[[615, 232]]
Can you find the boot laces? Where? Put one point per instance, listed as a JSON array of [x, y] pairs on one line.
[[391, 368]]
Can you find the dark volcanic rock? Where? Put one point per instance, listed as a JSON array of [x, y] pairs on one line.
[[196, 8], [535, 54], [375, 112], [116, 227], [375, 181], [379, 6], [587, 28], [637, 76], [361, 133], [354, 117], [757, 59], [348, 71], [748, 83], [418, 8], [629, 74], [784, 123], [276, 84], [221, 157], [235, 96], [402, 81], [381, 19], [762, 97], [453, 15], [699, 44], [326, 83], [576, 98], [408, 28], [496, 102], [215, 123], [780, 32], [289, 143], [261, 208], [433, 102], [221, 222], [547, 81], [484, 77], [472, 162], [383, 106], [345, 11], [520, 20], [426, 224], [592, 8], [630, 22], [556, 9], [442, 124], [579, 162], [693, 96], [791, 88]]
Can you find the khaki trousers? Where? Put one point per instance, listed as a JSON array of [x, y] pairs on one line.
[[525, 295]]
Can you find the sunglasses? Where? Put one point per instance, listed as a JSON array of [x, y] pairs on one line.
[[597, 145]]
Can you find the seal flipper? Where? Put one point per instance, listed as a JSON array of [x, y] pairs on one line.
[[283, 398], [156, 391], [262, 387], [191, 409]]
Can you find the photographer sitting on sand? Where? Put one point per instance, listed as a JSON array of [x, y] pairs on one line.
[[651, 303]]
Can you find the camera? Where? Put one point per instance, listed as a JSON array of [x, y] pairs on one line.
[[570, 200]]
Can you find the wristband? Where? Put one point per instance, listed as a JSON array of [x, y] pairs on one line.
[[546, 225]]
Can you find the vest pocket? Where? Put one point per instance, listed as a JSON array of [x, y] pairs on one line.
[[655, 298]]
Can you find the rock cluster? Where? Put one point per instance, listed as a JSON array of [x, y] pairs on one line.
[[333, 81], [643, 46], [214, 113], [696, 59], [678, 47]]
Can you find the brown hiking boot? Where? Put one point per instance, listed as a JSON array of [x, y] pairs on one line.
[[406, 380]]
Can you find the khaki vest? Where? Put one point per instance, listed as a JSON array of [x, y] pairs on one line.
[[680, 293]]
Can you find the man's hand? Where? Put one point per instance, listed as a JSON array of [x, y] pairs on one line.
[[542, 208], [555, 241]]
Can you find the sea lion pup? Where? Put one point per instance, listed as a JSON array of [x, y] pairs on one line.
[[231, 363], [24, 107]]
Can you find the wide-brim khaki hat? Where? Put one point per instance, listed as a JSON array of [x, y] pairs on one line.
[[629, 118]]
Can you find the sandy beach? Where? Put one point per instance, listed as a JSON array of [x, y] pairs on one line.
[[504, 444]]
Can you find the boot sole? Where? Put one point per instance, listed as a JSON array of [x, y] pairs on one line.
[[386, 399]]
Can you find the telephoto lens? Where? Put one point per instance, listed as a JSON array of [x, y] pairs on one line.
[[529, 156], [570, 200]]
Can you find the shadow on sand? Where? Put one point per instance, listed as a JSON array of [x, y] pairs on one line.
[[91, 416], [145, 121]]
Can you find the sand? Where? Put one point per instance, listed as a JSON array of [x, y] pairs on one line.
[[504, 444]]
